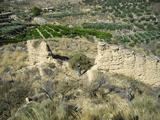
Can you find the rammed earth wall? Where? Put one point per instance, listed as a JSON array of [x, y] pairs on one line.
[[117, 59]]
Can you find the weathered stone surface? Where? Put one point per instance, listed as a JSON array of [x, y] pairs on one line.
[[37, 54], [40, 20], [117, 59], [39, 57]]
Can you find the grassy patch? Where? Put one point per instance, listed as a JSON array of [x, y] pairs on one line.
[[59, 30]]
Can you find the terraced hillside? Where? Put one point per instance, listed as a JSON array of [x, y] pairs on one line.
[[52, 69], [132, 23], [51, 31]]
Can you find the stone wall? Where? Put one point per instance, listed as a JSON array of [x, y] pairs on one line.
[[117, 59], [37, 52]]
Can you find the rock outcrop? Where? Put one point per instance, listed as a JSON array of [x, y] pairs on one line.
[[120, 60]]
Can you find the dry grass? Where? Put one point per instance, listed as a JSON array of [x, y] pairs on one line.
[[70, 46], [11, 60], [102, 99], [102, 106]]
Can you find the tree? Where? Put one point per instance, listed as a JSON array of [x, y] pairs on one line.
[[36, 11]]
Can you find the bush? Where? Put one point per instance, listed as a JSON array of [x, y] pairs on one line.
[[80, 63], [36, 11], [12, 96]]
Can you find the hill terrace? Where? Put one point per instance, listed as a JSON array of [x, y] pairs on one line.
[[79, 60]]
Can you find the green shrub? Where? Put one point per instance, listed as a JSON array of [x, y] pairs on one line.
[[80, 63], [36, 11]]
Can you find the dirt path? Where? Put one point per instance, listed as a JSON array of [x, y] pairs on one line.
[[49, 33]]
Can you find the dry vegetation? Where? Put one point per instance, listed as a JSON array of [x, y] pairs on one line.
[[100, 99], [72, 31], [13, 58]]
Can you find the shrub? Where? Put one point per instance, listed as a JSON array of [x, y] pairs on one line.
[[48, 110], [80, 63], [36, 11], [12, 96]]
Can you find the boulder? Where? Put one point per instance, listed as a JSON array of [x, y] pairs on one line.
[[40, 20]]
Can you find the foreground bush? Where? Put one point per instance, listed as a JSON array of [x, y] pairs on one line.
[[12, 96], [48, 110], [80, 63]]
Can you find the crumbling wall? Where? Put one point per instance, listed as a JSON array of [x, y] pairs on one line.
[[39, 56], [117, 59], [38, 52]]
